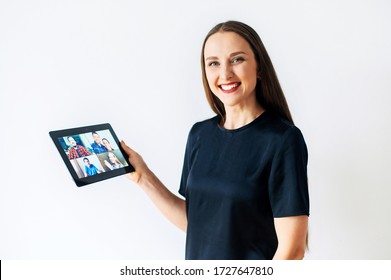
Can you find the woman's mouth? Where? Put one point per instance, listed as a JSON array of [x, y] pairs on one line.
[[229, 88]]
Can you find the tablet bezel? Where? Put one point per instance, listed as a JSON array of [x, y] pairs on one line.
[[56, 134]]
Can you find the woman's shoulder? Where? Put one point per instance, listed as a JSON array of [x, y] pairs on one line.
[[278, 128], [204, 125]]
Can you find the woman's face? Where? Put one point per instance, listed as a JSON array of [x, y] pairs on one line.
[[112, 158], [231, 69], [106, 144]]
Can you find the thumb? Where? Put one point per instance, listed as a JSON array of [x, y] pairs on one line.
[[126, 148], [134, 158]]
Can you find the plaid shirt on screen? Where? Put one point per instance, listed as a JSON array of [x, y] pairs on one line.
[[80, 151]]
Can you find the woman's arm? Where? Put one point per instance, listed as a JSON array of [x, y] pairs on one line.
[[173, 207], [292, 237]]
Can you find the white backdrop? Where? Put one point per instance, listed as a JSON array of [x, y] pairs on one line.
[[136, 65]]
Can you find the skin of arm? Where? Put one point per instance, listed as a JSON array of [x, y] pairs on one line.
[[173, 207], [292, 235]]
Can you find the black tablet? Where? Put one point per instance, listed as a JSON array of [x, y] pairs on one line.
[[91, 153]]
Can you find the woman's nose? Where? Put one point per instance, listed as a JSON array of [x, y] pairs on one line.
[[226, 72]]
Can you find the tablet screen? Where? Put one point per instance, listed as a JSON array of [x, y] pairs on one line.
[[91, 153]]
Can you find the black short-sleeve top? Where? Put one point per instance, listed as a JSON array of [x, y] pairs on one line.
[[236, 182]]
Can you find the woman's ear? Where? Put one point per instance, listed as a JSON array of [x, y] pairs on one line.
[[259, 76]]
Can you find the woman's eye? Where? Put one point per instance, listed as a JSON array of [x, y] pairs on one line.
[[237, 59], [213, 63]]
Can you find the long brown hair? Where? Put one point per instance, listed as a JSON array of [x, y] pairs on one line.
[[269, 93]]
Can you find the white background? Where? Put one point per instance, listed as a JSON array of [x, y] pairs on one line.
[[135, 64]]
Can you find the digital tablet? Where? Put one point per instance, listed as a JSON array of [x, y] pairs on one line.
[[91, 153]]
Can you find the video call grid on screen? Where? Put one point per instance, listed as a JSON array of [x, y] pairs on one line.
[[92, 153]]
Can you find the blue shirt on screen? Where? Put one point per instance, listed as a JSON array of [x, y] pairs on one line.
[[91, 170], [98, 149]]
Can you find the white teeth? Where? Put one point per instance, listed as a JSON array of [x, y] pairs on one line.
[[228, 87]]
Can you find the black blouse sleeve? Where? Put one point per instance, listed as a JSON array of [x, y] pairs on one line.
[[288, 184], [186, 163]]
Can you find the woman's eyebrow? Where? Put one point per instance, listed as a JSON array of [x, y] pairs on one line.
[[237, 53], [232, 54], [211, 58]]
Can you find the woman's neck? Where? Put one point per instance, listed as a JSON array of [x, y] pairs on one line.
[[238, 117]]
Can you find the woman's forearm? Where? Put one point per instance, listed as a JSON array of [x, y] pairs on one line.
[[292, 235], [173, 207]]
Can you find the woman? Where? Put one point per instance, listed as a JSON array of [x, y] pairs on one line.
[[244, 177], [107, 144], [113, 162]]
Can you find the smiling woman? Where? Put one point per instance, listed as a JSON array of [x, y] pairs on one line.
[[241, 36], [231, 72], [244, 178]]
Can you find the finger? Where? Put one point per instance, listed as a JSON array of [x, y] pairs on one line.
[[126, 148], [132, 155]]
